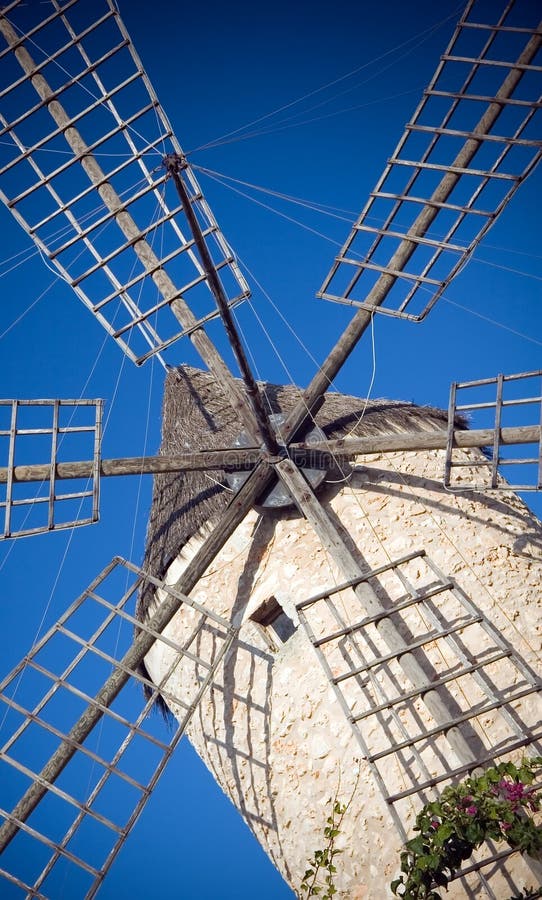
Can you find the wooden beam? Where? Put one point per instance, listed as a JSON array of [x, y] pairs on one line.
[[132, 232], [140, 465], [296, 423], [427, 440], [318, 454], [463, 740], [240, 504]]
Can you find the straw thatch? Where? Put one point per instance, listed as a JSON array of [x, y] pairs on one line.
[[197, 416]]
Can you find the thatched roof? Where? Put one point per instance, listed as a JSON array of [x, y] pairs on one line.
[[197, 416]]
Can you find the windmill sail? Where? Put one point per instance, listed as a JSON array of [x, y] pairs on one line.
[[444, 622], [472, 141], [69, 829], [34, 432], [499, 402], [182, 661], [83, 139]]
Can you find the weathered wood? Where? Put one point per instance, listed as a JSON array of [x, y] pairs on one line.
[[462, 739], [427, 440], [140, 465], [234, 514], [318, 454], [131, 231], [174, 165], [312, 398]]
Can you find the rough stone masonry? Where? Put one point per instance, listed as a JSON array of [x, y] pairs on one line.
[[270, 729]]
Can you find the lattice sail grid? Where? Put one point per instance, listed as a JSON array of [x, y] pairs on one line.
[[473, 139], [46, 433], [73, 833], [82, 143], [500, 404], [490, 695]]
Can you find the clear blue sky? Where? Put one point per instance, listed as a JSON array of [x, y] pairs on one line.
[[216, 68]]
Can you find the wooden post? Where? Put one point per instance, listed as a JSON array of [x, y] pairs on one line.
[[320, 453]]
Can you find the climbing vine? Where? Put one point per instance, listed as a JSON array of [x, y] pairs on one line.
[[498, 805], [322, 863], [319, 877]]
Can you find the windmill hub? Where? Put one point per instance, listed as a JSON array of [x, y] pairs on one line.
[[174, 161], [278, 497]]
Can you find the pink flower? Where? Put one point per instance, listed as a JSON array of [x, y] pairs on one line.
[[435, 824], [471, 810], [512, 790], [504, 826]]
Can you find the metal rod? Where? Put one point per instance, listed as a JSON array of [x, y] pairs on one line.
[[478, 61], [445, 679], [11, 463], [428, 638], [352, 582], [496, 443], [387, 232], [464, 717], [454, 132]]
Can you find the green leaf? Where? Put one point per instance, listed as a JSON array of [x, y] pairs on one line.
[[416, 845], [443, 833]]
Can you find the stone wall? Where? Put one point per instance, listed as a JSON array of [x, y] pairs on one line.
[[271, 730]]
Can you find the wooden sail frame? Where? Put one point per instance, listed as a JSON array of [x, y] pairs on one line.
[[363, 682], [499, 402], [84, 822], [49, 428], [267, 468], [131, 303], [446, 182]]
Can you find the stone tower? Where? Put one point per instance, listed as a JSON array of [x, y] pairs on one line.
[[272, 730]]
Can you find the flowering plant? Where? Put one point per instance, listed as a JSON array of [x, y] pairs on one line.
[[497, 806]]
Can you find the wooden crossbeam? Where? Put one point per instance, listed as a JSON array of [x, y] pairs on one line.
[[318, 454]]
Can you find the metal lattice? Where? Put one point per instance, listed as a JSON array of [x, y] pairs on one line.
[[86, 814], [78, 93], [48, 431], [497, 403], [473, 139], [491, 693]]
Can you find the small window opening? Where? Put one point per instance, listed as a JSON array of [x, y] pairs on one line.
[[271, 616]]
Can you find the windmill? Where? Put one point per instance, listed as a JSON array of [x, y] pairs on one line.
[[176, 165]]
